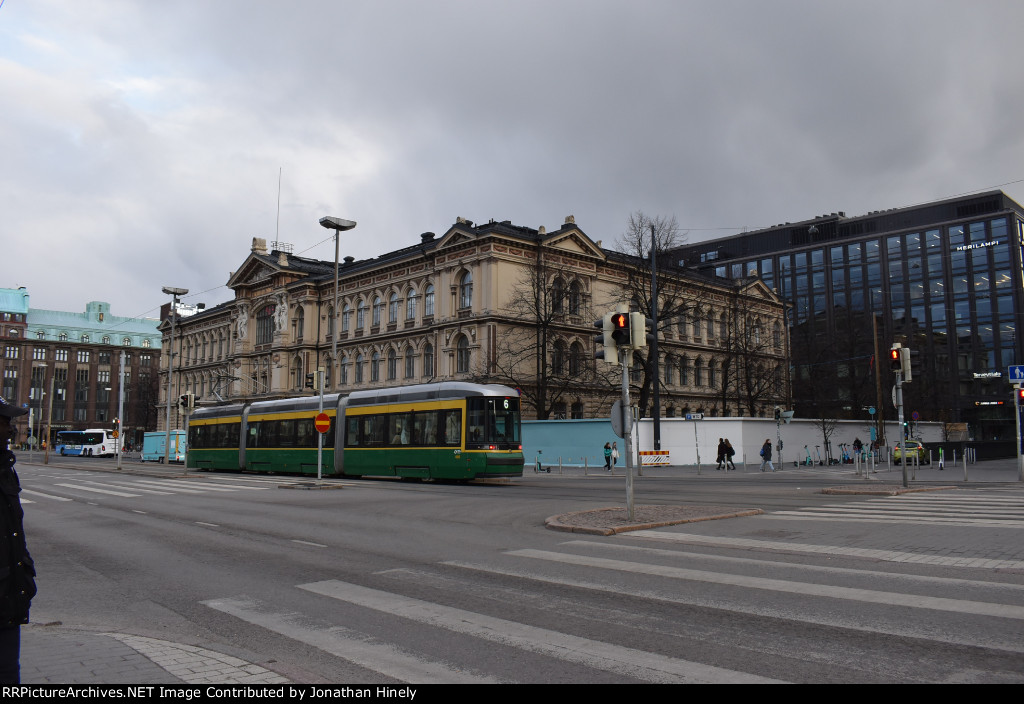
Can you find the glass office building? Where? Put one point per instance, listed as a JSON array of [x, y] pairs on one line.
[[944, 279]]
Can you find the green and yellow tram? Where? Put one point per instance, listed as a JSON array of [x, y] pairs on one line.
[[448, 430]]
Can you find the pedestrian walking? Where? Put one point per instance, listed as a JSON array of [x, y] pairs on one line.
[[608, 457], [17, 586], [729, 452], [615, 454], [766, 456], [721, 454]]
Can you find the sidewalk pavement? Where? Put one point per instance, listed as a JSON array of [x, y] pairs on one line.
[[985, 472], [53, 654]]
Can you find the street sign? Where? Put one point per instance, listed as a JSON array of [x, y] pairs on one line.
[[1015, 373], [322, 423], [694, 416], [619, 427]]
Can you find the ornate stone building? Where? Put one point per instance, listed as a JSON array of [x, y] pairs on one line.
[[492, 302]]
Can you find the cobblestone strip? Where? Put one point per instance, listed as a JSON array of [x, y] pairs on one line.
[[198, 665]]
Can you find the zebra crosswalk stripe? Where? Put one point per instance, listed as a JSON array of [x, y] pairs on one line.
[[584, 651]]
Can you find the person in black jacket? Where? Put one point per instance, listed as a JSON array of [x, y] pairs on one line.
[[17, 586]]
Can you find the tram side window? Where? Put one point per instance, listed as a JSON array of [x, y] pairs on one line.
[[476, 425], [452, 424], [352, 432], [285, 432], [424, 428], [399, 425], [305, 433]]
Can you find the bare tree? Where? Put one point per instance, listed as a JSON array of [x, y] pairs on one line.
[[674, 298], [545, 350]]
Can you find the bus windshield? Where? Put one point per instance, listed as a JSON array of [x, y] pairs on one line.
[[492, 422]]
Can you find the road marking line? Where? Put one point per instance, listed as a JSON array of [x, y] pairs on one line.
[[306, 542], [134, 488], [349, 645], [584, 651], [962, 606], [887, 555], [48, 496], [211, 525], [100, 491], [829, 618], [927, 579]]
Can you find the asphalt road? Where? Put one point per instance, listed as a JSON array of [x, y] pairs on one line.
[[384, 581]]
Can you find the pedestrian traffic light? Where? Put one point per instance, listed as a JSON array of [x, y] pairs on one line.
[[1020, 395], [621, 330], [895, 364], [610, 352]]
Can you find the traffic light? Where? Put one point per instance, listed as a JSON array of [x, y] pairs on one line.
[[621, 329], [905, 364], [895, 363], [1020, 395], [311, 381], [610, 353], [641, 331], [186, 402]]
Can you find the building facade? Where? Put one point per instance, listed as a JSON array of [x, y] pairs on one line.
[[492, 303], [943, 279], [79, 357]]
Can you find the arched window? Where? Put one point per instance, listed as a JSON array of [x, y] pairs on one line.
[[670, 368], [344, 370], [393, 308], [147, 343], [462, 355], [378, 306], [575, 360], [684, 371], [428, 301], [575, 298], [40, 335], [466, 291], [265, 325], [428, 361], [105, 340], [558, 295], [558, 358], [298, 378], [360, 314], [63, 337], [300, 322], [359, 368], [392, 365], [698, 372], [85, 338], [410, 304], [777, 334], [712, 373], [410, 363], [375, 366], [126, 342], [723, 327]]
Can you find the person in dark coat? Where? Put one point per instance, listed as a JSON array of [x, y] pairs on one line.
[[17, 586], [766, 456], [721, 454]]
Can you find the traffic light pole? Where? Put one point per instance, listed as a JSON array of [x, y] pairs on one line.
[[627, 430], [899, 410], [1016, 414]]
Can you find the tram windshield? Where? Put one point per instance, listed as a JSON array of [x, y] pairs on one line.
[[492, 422]]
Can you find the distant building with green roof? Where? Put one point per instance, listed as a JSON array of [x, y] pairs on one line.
[[78, 355]]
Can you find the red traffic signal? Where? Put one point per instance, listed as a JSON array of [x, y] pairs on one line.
[[620, 328]]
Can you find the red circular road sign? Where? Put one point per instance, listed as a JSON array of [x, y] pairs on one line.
[[322, 423]]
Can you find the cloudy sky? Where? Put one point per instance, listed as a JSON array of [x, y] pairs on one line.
[[142, 143]]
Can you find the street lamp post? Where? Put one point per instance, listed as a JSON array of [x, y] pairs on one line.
[[339, 225], [175, 293]]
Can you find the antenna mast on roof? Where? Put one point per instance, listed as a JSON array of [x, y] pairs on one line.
[[277, 227]]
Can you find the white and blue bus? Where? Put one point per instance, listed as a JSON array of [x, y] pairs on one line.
[[69, 442]]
